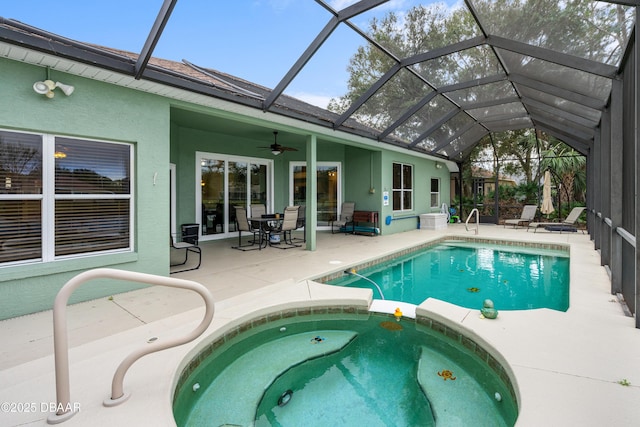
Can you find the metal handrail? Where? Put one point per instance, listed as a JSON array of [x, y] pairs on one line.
[[466, 224], [61, 344]]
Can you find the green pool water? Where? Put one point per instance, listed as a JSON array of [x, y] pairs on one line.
[[465, 274], [344, 371]]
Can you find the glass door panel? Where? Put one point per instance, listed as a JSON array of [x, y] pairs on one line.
[[328, 176], [228, 182], [259, 187], [213, 201], [327, 193], [237, 188]]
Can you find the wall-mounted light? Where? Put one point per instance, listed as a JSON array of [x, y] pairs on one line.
[[46, 88], [438, 165]]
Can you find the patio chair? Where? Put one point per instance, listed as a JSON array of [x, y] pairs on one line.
[[243, 225], [301, 224], [284, 229], [528, 215], [346, 217], [188, 247], [257, 211], [568, 224]]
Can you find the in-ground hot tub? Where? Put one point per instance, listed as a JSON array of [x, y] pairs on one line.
[[344, 366]]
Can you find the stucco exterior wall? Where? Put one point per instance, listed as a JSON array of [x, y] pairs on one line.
[[96, 111], [423, 171]]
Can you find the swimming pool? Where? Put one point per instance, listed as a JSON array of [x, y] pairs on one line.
[[466, 273], [345, 369]]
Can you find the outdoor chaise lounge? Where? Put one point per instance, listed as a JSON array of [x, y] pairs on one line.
[[528, 214], [567, 225]]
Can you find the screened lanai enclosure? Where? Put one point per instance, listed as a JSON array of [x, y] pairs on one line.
[[423, 76]]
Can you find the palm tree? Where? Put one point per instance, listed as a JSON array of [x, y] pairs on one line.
[[569, 167]]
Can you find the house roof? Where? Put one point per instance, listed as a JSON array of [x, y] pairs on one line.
[[538, 72]]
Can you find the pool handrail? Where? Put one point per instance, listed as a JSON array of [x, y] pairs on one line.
[[60, 336], [466, 224]]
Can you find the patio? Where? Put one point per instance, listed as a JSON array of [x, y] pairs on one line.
[[559, 359]]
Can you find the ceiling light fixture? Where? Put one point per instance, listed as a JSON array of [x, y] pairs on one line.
[[275, 147]]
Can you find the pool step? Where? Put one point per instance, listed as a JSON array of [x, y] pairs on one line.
[[454, 401], [234, 395]]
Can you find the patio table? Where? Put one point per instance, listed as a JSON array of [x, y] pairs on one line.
[[266, 223]]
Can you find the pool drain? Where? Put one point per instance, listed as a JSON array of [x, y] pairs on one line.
[[285, 398]]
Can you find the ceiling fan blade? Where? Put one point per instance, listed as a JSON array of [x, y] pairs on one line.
[[277, 147]]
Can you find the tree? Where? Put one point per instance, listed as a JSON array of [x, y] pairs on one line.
[[570, 167], [592, 30]]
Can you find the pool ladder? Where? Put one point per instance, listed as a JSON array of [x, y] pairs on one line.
[[61, 344], [466, 224]]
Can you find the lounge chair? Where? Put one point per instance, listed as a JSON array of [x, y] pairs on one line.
[[243, 225], [188, 247], [568, 224], [528, 214], [346, 217]]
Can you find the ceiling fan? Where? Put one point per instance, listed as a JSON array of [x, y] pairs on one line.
[[277, 148]]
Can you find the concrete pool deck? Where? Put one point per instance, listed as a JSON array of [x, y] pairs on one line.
[[568, 366]]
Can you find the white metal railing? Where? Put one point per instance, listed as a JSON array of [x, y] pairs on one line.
[[466, 224], [60, 336]]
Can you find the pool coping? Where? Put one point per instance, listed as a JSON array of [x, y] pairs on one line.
[[560, 247]]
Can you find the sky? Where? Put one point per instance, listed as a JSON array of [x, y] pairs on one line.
[[257, 40]]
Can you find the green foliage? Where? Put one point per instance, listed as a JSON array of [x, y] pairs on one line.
[[596, 31]]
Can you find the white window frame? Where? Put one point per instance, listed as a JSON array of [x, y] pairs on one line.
[[48, 199], [403, 189], [338, 167], [200, 155], [436, 193]]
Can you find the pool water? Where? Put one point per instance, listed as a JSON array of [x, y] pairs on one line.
[[465, 274], [368, 371]]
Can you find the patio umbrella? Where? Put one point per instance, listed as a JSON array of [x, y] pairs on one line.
[[547, 202]]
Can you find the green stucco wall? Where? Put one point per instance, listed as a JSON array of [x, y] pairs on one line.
[[423, 171], [99, 111], [363, 170], [186, 141]]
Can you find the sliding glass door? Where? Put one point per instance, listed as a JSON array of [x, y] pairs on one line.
[[226, 182], [329, 194]]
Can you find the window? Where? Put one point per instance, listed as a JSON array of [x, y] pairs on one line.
[[402, 187], [63, 197], [435, 192]]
